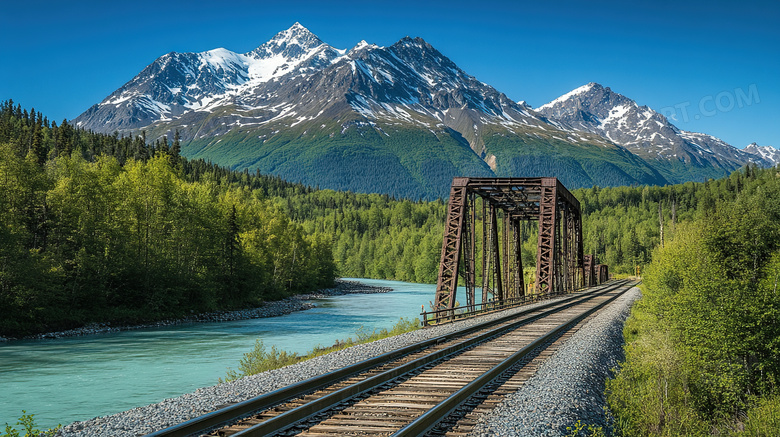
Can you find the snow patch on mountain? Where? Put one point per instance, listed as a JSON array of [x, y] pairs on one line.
[[616, 115], [766, 153], [643, 131], [577, 91]]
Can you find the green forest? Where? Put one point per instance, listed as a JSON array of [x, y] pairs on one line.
[[99, 228], [110, 228], [119, 228], [703, 343]]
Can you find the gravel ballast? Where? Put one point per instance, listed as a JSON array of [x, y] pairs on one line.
[[143, 420], [569, 386]]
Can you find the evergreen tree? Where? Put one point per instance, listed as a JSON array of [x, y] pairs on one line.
[[37, 148], [175, 151]]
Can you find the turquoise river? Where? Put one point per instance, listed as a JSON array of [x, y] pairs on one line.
[[78, 378]]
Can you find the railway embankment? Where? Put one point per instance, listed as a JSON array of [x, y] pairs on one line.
[[569, 386], [578, 371]]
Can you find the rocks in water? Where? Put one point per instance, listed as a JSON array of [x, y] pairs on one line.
[[343, 287]]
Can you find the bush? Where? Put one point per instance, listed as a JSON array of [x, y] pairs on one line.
[[763, 419], [650, 394], [260, 360], [28, 427], [703, 345]]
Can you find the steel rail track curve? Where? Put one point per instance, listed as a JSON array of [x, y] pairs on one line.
[[443, 348], [427, 421]]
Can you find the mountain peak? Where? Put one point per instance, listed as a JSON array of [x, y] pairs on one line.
[[588, 88], [293, 49], [597, 109], [362, 45], [291, 42], [644, 132], [408, 41], [296, 30], [764, 153]]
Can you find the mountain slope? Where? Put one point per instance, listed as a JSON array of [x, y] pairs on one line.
[[179, 83], [765, 153], [679, 155], [401, 120]]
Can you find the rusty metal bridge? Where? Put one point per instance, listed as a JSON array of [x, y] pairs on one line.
[[505, 207], [423, 387]]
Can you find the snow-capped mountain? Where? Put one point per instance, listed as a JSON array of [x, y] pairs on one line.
[[177, 83], [678, 154], [299, 108], [411, 82], [766, 153], [286, 77]]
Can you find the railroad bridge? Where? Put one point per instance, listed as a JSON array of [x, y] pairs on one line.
[[505, 206], [445, 383]]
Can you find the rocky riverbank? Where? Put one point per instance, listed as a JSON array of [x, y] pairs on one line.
[[567, 388], [149, 418], [291, 304]]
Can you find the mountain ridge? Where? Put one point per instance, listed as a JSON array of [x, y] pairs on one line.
[[768, 153], [298, 108], [647, 133]]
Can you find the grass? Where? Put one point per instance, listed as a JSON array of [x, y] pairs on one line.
[[260, 359], [580, 429], [29, 428], [618, 276], [763, 419]]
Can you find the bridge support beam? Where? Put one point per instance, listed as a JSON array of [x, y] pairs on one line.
[[451, 246], [545, 258], [507, 203], [589, 270]]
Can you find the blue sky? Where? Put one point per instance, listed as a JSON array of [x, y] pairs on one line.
[[714, 66]]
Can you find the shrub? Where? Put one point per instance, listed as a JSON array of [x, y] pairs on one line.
[[260, 360], [28, 427]]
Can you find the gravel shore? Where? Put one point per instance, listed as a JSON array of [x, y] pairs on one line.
[[570, 385], [143, 420], [268, 309]]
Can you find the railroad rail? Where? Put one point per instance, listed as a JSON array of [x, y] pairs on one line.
[[413, 390]]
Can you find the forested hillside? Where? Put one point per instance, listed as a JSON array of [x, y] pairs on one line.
[[107, 227], [101, 228], [703, 344], [380, 237]]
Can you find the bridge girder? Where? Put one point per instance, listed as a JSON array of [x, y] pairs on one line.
[[559, 248]]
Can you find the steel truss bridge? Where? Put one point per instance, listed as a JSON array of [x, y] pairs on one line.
[[444, 383], [505, 208]]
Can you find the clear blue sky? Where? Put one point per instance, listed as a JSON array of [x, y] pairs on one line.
[[714, 63]]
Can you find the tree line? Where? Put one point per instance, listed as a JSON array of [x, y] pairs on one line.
[[100, 228], [703, 343], [159, 234], [381, 237]]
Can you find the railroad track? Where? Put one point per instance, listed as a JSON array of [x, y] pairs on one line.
[[436, 386]]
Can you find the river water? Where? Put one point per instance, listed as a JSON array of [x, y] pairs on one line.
[[78, 378]]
